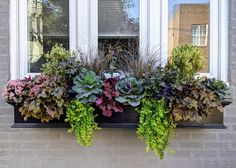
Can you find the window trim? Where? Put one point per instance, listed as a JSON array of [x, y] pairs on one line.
[[18, 36], [153, 32], [218, 48]]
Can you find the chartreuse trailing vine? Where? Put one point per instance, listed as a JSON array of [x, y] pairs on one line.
[[81, 119], [155, 125]]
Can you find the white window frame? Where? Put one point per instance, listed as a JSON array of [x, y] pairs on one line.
[[153, 32], [218, 50], [18, 36]]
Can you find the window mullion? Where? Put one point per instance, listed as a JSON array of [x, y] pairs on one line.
[[223, 40], [214, 38], [164, 31], [22, 21], [73, 25]]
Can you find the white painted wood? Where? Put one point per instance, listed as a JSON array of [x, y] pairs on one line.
[[83, 25], [144, 36], [224, 25], [164, 32], [14, 59], [154, 25], [23, 38], [214, 38], [94, 23], [73, 25]]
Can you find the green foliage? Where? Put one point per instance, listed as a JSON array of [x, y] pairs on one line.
[[155, 126], [88, 86], [219, 87], [69, 69], [81, 119], [194, 101], [45, 100], [131, 91], [186, 60], [53, 58], [162, 83]]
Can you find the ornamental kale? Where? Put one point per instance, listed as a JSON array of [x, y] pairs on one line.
[[217, 86], [107, 101], [131, 91], [87, 85], [45, 100], [17, 90]]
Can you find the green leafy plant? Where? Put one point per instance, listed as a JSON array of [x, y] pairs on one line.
[[53, 58], [219, 87], [194, 101], [131, 91], [162, 83], [88, 86], [155, 125], [45, 100], [186, 60], [81, 119]]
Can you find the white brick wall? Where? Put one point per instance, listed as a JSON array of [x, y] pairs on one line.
[[113, 148]]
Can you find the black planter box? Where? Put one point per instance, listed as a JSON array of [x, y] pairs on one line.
[[126, 119]]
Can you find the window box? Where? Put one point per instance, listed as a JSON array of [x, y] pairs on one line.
[[127, 119]]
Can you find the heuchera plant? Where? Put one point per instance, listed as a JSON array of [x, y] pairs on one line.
[[131, 91], [17, 90], [194, 101], [45, 100], [107, 102]]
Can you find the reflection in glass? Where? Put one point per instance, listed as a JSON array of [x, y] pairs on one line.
[[189, 24], [48, 23], [118, 28], [118, 17]]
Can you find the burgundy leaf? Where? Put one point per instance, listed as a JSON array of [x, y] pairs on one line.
[[107, 113], [99, 101]]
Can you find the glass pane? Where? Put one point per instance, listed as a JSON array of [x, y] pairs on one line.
[[118, 28], [48, 23], [188, 24], [118, 18]]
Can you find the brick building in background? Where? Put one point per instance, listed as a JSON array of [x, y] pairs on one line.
[[190, 25], [113, 148]]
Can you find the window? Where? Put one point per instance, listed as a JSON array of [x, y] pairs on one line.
[[188, 24], [200, 23], [48, 23], [155, 24], [199, 35], [118, 26]]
